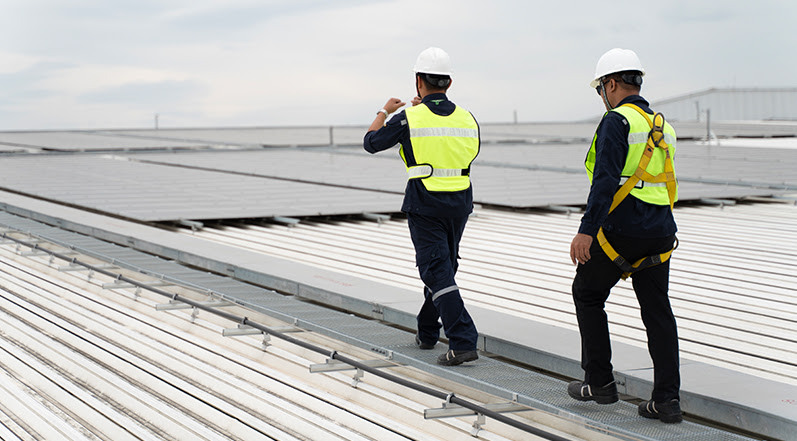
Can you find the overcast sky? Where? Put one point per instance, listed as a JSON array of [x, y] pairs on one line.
[[200, 63]]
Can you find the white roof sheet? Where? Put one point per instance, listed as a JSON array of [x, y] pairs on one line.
[[83, 363], [733, 288]]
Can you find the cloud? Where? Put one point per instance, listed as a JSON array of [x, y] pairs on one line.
[[260, 62], [154, 95], [11, 62]]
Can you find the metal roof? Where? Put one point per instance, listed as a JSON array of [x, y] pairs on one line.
[[141, 375], [734, 104], [733, 296], [733, 288], [86, 358]]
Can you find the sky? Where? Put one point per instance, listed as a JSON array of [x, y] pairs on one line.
[[102, 64]]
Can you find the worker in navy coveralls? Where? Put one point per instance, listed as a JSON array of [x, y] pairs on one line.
[[640, 225], [439, 140]]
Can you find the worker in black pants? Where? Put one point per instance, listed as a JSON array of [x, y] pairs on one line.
[[628, 218]]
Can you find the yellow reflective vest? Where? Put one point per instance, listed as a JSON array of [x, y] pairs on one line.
[[443, 148], [639, 128]]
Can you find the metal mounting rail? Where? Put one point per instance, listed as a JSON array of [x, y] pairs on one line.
[[244, 322]]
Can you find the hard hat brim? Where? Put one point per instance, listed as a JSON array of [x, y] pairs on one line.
[[594, 83], [431, 72]]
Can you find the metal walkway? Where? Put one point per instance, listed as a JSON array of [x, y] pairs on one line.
[[503, 380]]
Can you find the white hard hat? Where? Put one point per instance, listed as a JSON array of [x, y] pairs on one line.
[[616, 60], [433, 61]]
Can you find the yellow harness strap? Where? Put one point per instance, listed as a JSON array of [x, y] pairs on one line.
[[639, 265], [655, 140]]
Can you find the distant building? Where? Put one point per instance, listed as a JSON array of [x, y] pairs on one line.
[[747, 104]]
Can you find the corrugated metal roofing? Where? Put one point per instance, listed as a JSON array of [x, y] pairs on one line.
[[733, 104], [81, 362], [734, 298], [197, 387], [733, 287]]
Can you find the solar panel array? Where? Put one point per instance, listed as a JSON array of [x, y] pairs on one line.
[[90, 141], [249, 137], [150, 192], [201, 174]]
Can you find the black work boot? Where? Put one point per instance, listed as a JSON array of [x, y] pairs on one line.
[[584, 392], [423, 345], [667, 412], [453, 358]]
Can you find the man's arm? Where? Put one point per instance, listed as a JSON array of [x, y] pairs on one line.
[[611, 151], [391, 106], [381, 136]]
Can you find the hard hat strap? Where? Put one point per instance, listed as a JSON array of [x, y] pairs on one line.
[[603, 95]]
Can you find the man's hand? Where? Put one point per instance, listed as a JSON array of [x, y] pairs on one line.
[[579, 248], [393, 104], [416, 100]]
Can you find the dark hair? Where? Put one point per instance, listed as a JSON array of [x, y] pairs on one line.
[[631, 77], [434, 81]]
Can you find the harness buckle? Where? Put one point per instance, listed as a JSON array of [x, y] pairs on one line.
[[657, 130]]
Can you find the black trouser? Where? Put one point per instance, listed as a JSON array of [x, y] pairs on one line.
[[591, 287], [436, 243]]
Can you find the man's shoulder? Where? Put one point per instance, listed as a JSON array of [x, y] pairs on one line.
[[614, 118]]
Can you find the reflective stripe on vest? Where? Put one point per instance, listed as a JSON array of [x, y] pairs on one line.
[[656, 147], [642, 138], [642, 184], [426, 170], [444, 131], [443, 148], [652, 193]]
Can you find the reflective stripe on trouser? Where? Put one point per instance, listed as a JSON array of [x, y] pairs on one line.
[[451, 288], [457, 323], [436, 242]]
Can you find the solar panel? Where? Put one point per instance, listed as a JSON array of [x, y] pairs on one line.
[[88, 141], [150, 192], [251, 183]]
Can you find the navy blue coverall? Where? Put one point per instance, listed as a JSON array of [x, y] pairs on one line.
[[436, 221], [635, 229]]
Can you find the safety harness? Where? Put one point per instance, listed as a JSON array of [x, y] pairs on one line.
[[655, 140]]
